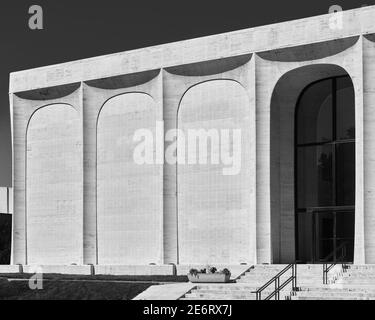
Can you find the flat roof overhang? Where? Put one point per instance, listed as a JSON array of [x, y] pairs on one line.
[[254, 40]]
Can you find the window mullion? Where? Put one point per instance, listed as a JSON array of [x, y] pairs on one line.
[[334, 138]]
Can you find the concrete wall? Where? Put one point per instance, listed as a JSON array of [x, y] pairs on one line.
[[214, 210], [54, 221], [128, 195], [131, 214]]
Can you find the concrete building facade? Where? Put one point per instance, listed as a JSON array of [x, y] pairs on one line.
[[79, 197]]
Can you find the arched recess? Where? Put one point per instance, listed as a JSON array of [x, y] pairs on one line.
[[285, 97], [54, 186], [129, 195], [215, 221]]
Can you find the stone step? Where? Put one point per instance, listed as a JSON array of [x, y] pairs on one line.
[[339, 290], [354, 286], [360, 277], [205, 298], [235, 289], [226, 287], [328, 298], [228, 296], [221, 296], [357, 280], [220, 292], [335, 294]]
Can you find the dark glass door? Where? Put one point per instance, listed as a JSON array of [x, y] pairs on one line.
[[325, 171], [334, 236], [324, 236]]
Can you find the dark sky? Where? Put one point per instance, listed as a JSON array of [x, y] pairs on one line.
[[82, 28]]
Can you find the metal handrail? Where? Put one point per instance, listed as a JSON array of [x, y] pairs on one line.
[[327, 267], [276, 281]]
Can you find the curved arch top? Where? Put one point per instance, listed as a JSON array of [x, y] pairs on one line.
[[304, 75], [133, 106], [208, 83]]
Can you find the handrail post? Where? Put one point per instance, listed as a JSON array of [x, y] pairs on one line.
[[276, 288], [294, 275], [324, 273]]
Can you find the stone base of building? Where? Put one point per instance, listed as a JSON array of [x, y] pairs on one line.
[[119, 270], [59, 269], [135, 270], [10, 268], [115, 270]]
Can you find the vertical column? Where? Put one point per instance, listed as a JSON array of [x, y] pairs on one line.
[[19, 123], [90, 111], [263, 189], [368, 124], [364, 201], [170, 235]]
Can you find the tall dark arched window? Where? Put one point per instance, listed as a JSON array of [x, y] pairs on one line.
[[325, 171]]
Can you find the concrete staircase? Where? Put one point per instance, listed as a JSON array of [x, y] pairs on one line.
[[357, 283], [242, 289]]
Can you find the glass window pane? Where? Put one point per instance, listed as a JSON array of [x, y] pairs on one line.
[[305, 237], [345, 110], [325, 225], [345, 174], [325, 248], [314, 172], [315, 113], [345, 225]]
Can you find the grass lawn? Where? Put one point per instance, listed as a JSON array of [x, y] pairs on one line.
[[67, 287]]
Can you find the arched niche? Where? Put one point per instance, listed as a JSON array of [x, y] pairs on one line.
[[216, 223], [129, 195], [54, 186]]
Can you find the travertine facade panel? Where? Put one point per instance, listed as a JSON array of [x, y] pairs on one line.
[[54, 186], [214, 208], [128, 194]]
